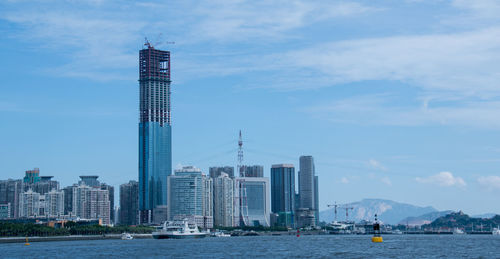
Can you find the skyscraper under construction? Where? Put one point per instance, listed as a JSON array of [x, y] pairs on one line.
[[155, 133]]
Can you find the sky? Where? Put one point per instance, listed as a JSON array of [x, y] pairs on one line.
[[395, 99]]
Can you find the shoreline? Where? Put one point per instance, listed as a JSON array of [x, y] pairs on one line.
[[4, 240]]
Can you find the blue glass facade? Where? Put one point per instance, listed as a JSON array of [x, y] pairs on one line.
[[155, 164], [283, 193], [155, 131]]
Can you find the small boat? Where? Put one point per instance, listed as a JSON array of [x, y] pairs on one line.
[[127, 236], [458, 231], [220, 234], [178, 229], [496, 231]]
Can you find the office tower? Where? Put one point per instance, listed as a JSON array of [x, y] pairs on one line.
[[216, 171], [129, 203], [29, 204], [89, 180], [252, 171], [54, 203], [9, 195], [155, 136], [32, 176], [307, 193], [208, 201], [252, 196], [283, 193], [223, 200], [188, 191], [160, 214]]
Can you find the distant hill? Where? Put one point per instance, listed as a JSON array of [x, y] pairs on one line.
[[463, 221], [484, 216], [389, 212], [424, 219]]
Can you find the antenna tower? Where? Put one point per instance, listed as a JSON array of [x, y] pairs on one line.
[[241, 168]]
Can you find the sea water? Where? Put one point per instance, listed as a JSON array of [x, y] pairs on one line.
[[319, 246]]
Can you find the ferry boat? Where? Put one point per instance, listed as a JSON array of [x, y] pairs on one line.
[[127, 236], [496, 231], [178, 229], [457, 231]]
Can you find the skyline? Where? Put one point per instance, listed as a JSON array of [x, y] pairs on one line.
[[387, 98]]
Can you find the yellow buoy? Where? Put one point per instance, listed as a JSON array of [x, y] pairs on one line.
[[377, 238]]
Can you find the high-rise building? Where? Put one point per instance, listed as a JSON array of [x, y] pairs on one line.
[[9, 195], [89, 180], [91, 203], [216, 171], [54, 203], [316, 200], [252, 196], [129, 203], [155, 134], [45, 185], [5, 211], [307, 193], [32, 176], [111, 193], [29, 204], [190, 196], [252, 171], [283, 193], [223, 201]]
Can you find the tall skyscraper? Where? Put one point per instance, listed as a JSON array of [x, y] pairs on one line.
[[223, 200], [155, 133], [283, 193], [129, 203], [308, 192]]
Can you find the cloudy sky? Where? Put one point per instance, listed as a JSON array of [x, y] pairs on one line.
[[395, 99]]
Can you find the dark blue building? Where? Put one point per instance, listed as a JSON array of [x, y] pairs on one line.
[[155, 133], [283, 193]]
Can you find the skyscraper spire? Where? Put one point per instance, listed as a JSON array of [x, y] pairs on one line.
[[241, 168]]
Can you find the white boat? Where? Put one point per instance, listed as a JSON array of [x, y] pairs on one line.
[[221, 234], [496, 231], [127, 236], [178, 229], [457, 231]]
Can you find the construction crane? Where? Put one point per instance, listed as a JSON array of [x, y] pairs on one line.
[[157, 42], [335, 209], [347, 208]]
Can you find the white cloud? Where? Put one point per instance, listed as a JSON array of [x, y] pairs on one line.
[[379, 109], [386, 180], [344, 180], [463, 63], [376, 164], [490, 182], [443, 179]]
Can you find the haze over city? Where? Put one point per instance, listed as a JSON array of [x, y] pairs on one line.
[[396, 99]]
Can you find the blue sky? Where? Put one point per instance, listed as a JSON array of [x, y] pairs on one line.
[[395, 99]]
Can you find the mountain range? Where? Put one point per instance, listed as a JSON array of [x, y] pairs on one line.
[[389, 212]]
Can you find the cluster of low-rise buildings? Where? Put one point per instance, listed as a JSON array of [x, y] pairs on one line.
[[41, 198]]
